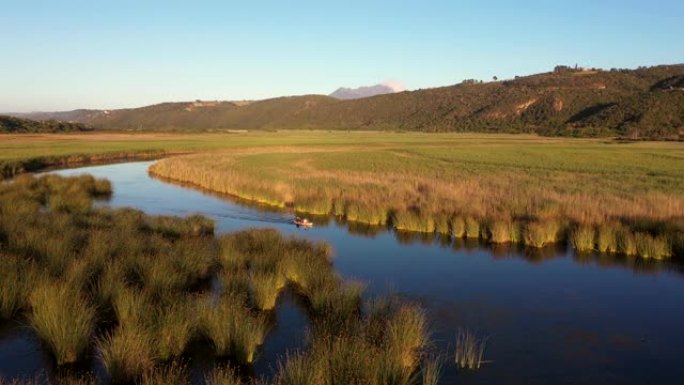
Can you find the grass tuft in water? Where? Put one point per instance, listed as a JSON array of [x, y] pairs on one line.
[[469, 350]]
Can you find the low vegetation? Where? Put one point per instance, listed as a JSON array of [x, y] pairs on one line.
[[133, 291]]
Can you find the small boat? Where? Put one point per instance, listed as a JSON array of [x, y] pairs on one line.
[[302, 222]]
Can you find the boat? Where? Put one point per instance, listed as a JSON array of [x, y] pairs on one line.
[[302, 222]]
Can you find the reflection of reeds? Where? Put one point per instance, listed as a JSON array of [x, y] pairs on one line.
[[469, 349]]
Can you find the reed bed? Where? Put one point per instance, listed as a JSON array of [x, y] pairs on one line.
[[457, 190], [135, 290]]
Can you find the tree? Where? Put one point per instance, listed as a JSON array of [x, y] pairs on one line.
[[495, 78]]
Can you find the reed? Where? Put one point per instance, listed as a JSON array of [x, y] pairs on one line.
[[469, 350], [127, 353], [265, 288], [173, 374], [18, 277], [413, 221], [500, 232], [472, 228], [62, 319], [648, 246], [431, 370], [174, 327], [249, 333], [626, 242], [298, 369], [458, 227], [223, 375], [606, 240], [582, 237], [540, 234], [407, 334]]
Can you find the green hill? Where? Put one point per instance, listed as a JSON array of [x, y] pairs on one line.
[[10, 124], [641, 103]]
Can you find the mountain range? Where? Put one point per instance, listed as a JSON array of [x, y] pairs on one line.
[[647, 102], [343, 93]]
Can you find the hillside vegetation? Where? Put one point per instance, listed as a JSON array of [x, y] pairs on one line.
[[10, 124], [641, 103]]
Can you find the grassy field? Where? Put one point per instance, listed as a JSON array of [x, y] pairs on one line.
[[612, 196], [135, 291], [31, 152]]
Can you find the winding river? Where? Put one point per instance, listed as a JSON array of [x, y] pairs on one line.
[[550, 316]]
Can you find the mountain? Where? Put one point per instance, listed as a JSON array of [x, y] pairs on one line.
[[11, 124], [363, 92], [639, 103]]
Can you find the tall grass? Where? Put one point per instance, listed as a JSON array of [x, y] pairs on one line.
[[62, 319], [407, 334], [648, 246], [222, 375], [17, 276], [582, 238], [127, 353], [540, 234], [431, 371]]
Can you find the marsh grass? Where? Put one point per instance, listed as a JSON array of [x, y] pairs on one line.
[[127, 353], [174, 327], [63, 319], [431, 370], [648, 246], [539, 234], [407, 333], [138, 289], [469, 350], [17, 276], [582, 237], [606, 240], [265, 289], [175, 373], [231, 328], [224, 375]]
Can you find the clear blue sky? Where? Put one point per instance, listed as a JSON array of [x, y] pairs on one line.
[[65, 54]]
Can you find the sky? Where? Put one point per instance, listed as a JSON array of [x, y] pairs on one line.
[[62, 55]]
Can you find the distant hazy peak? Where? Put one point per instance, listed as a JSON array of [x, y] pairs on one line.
[[365, 92]]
